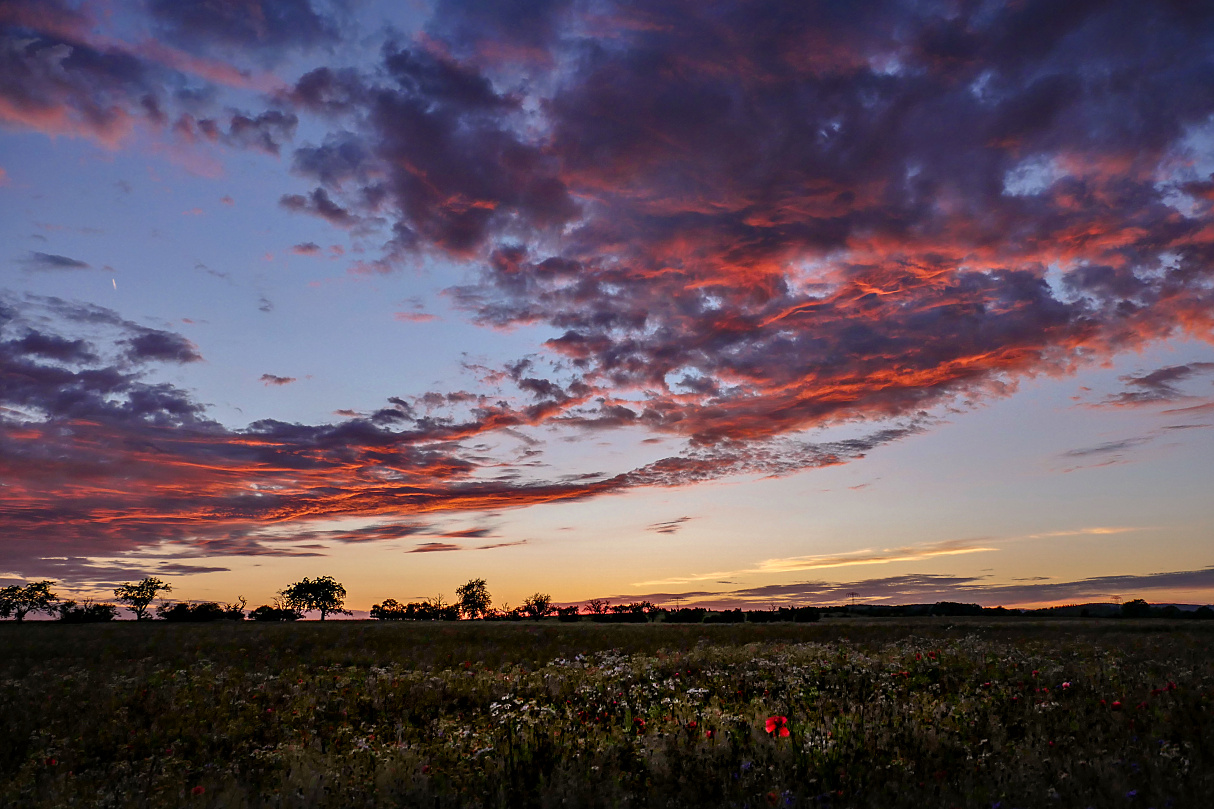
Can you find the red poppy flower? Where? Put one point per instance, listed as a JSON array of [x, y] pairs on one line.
[[777, 725], [198, 790]]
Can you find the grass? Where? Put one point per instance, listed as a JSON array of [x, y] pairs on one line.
[[881, 713]]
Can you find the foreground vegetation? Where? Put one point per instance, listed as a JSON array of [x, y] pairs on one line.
[[841, 713]]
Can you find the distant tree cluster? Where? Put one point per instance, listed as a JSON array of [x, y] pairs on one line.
[[327, 596], [431, 609], [203, 612]]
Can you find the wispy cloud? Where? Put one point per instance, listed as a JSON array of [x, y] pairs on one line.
[[929, 588], [669, 526], [52, 262], [851, 559]]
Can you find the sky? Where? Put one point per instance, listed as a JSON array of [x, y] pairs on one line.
[[720, 303]]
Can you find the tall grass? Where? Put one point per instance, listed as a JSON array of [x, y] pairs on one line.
[[880, 713]]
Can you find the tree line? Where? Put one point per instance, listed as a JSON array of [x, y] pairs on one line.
[[323, 594], [326, 596]]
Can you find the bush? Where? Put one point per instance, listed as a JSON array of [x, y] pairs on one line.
[[725, 617], [267, 613], [183, 612], [87, 613], [686, 615], [432, 610], [568, 614], [1138, 608]]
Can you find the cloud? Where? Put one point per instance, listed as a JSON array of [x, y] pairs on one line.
[[160, 346], [468, 533], [73, 411], [268, 27], [668, 527], [871, 557], [271, 379], [773, 226], [884, 556], [501, 545], [930, 588], [50, 262], [306, 249], [414, 317], [434, 547], [1158, 386], [319, 203], [739, 223]]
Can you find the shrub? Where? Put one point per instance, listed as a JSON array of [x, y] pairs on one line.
[[686, 615], [267, 613], [199, 613], [725, 617], [87, 613], [430, 610]]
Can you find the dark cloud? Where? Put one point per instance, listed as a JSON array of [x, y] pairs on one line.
[[319, 203], [771, 218], [46, 262], [271, 379], [1158, 386], [266, 131], [669, 527], [53, 80], [740, 221], [160, 346], [264, 26], [72, 413], [468, 533], [432, 547]]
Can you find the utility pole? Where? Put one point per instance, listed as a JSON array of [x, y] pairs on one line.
[[852, 595]]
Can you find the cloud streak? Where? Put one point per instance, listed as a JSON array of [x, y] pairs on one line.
[[930, 588], [884, 556]]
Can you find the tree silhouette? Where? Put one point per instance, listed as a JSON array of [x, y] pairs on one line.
[[537, 605], [137, 597], [19, 601], [87, 613], [1138, 608], [323, 593], [474, 600], [596, 606]]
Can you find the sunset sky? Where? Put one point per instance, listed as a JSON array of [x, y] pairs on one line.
[[735, 302]]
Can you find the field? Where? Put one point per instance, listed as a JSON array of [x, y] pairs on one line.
[[843, 713]]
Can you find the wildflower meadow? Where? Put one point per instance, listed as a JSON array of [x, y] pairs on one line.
[[842, 713]]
